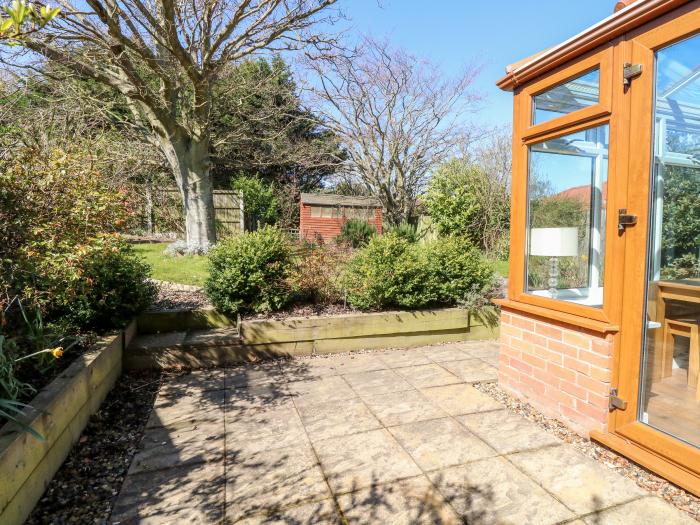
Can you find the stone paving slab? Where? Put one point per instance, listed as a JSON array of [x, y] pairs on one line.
[[377, 382], [391, 437], [581, 483], [327, 420], [362, 460], [645, 511], [426, 376], [182, 494], [271, 480], [507, 432], [494, 491], [163, 448], [413, 501], [472, 370], [323, 511], [399, 408], [440, 443], [333, 388], [461, 399]]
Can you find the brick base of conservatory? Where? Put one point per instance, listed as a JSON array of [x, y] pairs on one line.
[[562, 371]]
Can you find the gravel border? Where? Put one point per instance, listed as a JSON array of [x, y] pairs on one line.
[[84, 489], [646, 479]]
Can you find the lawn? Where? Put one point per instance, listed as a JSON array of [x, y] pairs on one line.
[[186, 269], [501, 267]]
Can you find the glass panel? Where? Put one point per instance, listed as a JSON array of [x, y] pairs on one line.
[[579, 93], [315, 211], [670, 390], [567, 192]]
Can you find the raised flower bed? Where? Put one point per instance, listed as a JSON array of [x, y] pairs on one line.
[[59, 413]]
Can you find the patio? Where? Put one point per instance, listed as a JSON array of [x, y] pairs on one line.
[[384, 437]]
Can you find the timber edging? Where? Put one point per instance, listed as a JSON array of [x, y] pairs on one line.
[[257, 339], [59, 412]]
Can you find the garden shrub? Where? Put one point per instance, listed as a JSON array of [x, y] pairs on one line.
[[250, 272], [405, 230], [463, 200], [317, 275], [99, 285], [356, 233], [386, 273], [54, 253], [393, 273]]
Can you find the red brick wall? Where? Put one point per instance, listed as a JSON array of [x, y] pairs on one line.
[[328, 228], [563, 371]]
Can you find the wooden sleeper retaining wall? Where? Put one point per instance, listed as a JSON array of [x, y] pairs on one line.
[[301, 336], [59, 413]]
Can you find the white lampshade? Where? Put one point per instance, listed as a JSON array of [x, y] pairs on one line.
[[554, 242]]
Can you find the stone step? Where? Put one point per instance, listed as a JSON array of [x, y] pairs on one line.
[[186, 339]]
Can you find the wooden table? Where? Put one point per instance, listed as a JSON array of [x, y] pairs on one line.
[[686, 291]]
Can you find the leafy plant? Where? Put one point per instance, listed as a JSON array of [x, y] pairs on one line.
[[250, 272], [391, 272], [386, 273], [405, 230], [261, 206], [356, 233], [464, 201], [317, 275], [100, 284]]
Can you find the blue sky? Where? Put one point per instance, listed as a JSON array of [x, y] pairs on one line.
[[492, 33]]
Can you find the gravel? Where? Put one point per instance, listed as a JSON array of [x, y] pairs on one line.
[[173, 296], [647, 480], [85, 487]]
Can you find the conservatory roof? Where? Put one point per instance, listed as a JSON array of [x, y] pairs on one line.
[[634, 15]]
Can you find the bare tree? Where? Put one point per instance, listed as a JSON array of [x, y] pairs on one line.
[[164, 57], [397, 116]]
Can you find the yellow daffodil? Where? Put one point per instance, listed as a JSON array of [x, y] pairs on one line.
[[57, 352]]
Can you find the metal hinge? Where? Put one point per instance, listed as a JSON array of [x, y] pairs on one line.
[[631, 71], [625, 220], [616, 403]]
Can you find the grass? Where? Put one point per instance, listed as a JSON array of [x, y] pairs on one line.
[[501, 268], [186, 269]]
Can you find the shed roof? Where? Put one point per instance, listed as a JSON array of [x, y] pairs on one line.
[[630, 17], [328, 199]]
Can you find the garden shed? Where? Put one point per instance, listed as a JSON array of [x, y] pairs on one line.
[[322, 215], [600, 325]]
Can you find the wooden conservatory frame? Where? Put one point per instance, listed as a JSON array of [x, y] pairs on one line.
[[550, 346]]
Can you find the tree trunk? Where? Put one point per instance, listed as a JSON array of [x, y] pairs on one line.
[[190, 162]]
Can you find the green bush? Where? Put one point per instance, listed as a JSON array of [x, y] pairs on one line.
[[356, 233], [464, 201], [317, 275], [261, 204], [394, 273], [405, 230], [55, 254], [250, 272]]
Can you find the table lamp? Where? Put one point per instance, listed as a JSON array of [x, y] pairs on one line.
[[554, 243]]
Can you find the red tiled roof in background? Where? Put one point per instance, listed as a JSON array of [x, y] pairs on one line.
[[583, 194]]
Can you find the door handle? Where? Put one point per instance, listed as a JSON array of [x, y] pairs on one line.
[[624, 220]]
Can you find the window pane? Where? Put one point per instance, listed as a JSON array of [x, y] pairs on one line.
[[566, 98], [567, 193], [315, 211]]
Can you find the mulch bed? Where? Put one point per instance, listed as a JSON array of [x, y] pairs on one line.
[[647, 480], [177, 297], [88, 482]]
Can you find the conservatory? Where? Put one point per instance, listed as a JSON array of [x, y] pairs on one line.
[[601, 324]]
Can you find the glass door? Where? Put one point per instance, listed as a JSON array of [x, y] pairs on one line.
[[658, 371], [669, 393]]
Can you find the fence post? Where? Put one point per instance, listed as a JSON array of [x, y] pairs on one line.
[[149, 206], [241, 208]]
